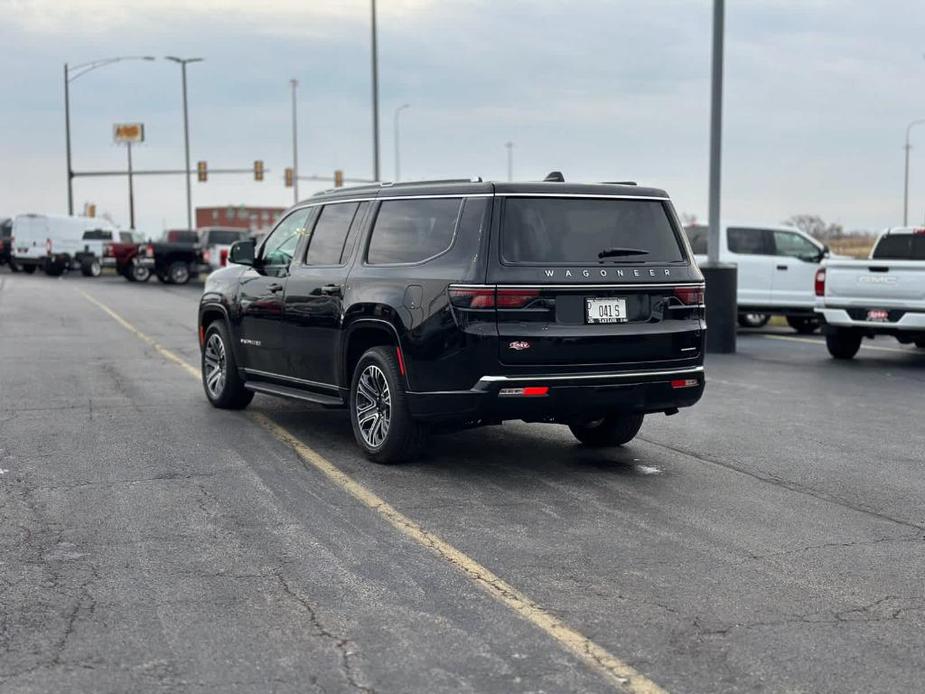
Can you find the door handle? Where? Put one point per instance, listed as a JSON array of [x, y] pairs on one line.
[[330, 289], [782, 267], [273, 288]]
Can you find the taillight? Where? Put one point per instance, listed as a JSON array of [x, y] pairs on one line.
[[820, 282], [691, 296], [528, 392], [107, 250], [47, 246], [918, 232], [489, 297], [685, 383], [207, 256], [149, 251]]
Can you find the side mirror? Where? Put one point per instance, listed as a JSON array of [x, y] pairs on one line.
[[242, 252]]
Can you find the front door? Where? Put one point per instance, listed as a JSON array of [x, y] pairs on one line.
[[261, 298], [315, 294], [796, 262]]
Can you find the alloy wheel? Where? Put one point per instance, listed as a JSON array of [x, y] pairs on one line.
[[215, 365], [373, 406]]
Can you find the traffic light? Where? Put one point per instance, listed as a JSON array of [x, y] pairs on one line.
[[202, 172], [338, 178], [289, 175], [258, 170]]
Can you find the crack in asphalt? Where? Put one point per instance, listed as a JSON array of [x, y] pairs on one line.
[[825, 545], [342, 644]]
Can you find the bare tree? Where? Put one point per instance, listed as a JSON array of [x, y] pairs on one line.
[[816, 227]]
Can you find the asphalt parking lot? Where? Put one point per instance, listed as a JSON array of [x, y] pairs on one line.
[[770, 539]]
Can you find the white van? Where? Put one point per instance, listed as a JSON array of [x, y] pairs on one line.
[[776, 270], [56, 243]]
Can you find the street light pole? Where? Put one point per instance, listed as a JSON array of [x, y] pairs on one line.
[[397, 143], [908, 148], [295, 144], [189, 192], [131, 189], [510, 161], [375, 67], [71, 73]]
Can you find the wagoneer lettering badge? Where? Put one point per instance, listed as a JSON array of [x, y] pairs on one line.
[[635, 272]]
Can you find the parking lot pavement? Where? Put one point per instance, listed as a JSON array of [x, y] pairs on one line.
[[770, 538]]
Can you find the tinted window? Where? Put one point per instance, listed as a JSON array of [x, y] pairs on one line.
[[281, 243], [6, 228], [224, 238], [327, 242], [97, 235], [697, 235], [354, 232], [795, 246], [182, 237], [747, 241], [409, 231], [900, 247], [562, 230]]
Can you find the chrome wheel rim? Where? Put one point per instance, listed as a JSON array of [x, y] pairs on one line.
[[215, 365], [179, 275], [373, 406]]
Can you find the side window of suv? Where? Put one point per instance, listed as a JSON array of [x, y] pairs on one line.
[[411, 231], [330, 234], [794, 246], [745, 241], [279, 248]]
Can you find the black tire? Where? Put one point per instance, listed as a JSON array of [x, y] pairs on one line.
[[28, 269], [220, 378], [753, 320], [804, 325], [14, 267], [138, 273], [612, 430], [162, 278], [53, 269], [382, 396], [178, 273], [91, 268], [843, 344]]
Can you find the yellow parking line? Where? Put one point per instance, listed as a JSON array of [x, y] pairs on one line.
[[619, 673], [811, 341]]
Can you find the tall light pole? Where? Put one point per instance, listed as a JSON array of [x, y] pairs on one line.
[[398, 142], [908, 147], [295, 144], [510, 160], [375, 66], [183, 62], [71, 73]]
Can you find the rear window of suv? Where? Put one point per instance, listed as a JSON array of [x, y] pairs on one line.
[[587, 231], [900, 247], [412, 231]]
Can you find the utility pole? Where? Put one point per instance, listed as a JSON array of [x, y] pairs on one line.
[[908, 148], [131, 189], [295, 144], [510, 161], [375, 67], [183, 62], [397, 143]]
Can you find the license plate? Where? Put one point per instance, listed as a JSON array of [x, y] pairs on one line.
[[878, 315], [605, 310]]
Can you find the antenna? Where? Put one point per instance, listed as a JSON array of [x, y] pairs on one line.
[[555, 177]]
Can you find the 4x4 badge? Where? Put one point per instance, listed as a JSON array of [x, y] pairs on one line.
[[519, 345]]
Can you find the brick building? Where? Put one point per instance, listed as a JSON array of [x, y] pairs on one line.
[[256, 219]]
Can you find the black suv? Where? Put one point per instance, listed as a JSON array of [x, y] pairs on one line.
[[449, 304]]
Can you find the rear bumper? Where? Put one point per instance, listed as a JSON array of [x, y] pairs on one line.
[[569, 396], [839, 317]]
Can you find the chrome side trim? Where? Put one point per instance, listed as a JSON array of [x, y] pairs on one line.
[[485, 380], [303, 381]]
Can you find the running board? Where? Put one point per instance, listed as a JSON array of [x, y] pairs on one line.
[[296, 393]]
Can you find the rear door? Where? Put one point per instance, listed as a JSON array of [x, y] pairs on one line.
[[752, 250], [797, 259], [592, 281]]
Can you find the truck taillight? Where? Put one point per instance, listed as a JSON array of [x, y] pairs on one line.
[[207, 256], [691, 296], [149, 251], [47, 246], [820, 282], [107, 250]]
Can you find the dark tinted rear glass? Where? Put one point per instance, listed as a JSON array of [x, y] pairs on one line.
[[6, 227], [563, 230], [182, 237], [697, 235], [900, 247], [409, 231], [747, 241], [97, 235], [224, 238], [327, 242]]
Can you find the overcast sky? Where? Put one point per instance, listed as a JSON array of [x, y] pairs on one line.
[[818, 95]]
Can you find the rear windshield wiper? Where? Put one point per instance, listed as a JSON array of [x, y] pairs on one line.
[[613, 252]]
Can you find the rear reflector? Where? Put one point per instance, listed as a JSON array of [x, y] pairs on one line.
[[692, 296], [685, 383], [528, 392]]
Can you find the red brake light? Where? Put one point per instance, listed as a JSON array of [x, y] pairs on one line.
[[691, 296], [489, 297], [919, 232], [149, 251], [107, 249], [527, 392], [820, 282], [515, 298], [685, 383]]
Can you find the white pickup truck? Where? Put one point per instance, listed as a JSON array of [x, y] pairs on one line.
[[881, 295]]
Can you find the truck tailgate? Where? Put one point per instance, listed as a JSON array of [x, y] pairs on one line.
[[875, 283]]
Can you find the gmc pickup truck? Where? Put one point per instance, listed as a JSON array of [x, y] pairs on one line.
[[881, 295]]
